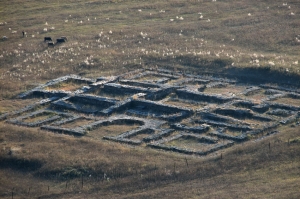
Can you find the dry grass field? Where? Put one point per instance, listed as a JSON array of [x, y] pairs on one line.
[[251, 40]]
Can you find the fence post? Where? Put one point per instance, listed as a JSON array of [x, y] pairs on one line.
[[174, 167], [186, 162]]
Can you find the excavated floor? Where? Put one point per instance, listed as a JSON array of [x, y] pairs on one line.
[[161, 109]]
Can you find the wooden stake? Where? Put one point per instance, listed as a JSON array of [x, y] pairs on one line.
[[174, 167], [186, 162]]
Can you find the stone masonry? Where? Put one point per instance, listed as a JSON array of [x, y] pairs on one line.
[[164, 110]]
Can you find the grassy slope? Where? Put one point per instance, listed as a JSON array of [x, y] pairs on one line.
[[43, 160], [110, 40], [109, 36]]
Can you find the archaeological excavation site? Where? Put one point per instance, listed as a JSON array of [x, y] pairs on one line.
[[161, 109]]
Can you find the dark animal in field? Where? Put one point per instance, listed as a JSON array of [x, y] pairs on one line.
[[47, 39], [50, 44], [60, 40], [64, 37]]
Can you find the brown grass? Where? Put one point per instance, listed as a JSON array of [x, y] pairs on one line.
[[77, 123], [183, 104], [118, 96], [257, 97], [14, 105], [262, 46], [227, 91], [111, 130], [115, 36], [189, 143], [66, 86], [249, 169], [291, 101], [39, 117]]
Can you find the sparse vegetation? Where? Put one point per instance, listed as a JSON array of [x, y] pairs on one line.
[[252, 40]]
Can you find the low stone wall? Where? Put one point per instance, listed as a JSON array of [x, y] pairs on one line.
[[123, 89], [75, 131], [48, 94], [261, 108], [40, 92], [251, 91], [275, 96], [160, 135], [290, 119], [71, 118], [239, 138], [140, 84], [266, 127], [163, 80], [19, 120], [238, 127], [165, 109], [94, 100], [243, 103], [284, 106], [103, 80], [248, 104], [293, 95], [211, 78], [160, 93], [194, 129], [215, 147], [205, 139], [281, 112], [155, 92], [148, 127], [4, 116], [31, 107], [141, 130], [273, 92], [119, 106], [70, 103], [280, 88], [242, 114], [220, 118], [175, 117], [216, 85], [157, 74], [184, 81], [197, 96]]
